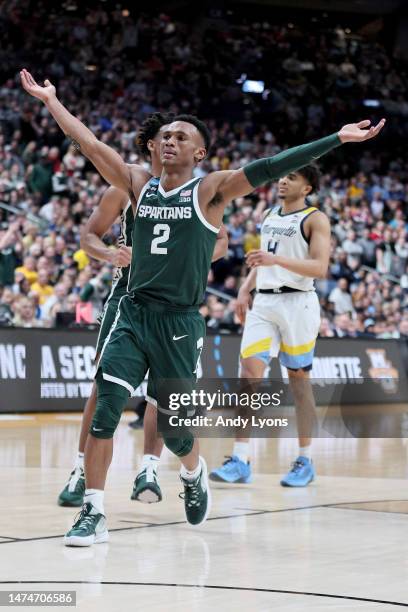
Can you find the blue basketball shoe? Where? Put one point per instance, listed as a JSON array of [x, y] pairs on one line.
[[301, 474], [232, 470]]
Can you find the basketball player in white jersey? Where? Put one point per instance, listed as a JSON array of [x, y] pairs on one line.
[[285, 317]]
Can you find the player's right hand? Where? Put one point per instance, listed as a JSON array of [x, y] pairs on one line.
[[121, 257], [244, 300], [42, 93]]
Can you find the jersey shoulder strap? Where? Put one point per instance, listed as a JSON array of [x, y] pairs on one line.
[[269, 212], [305, 214]]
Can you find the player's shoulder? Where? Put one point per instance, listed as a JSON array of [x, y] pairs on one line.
[[316, 218], [139, 177], [114, 197]]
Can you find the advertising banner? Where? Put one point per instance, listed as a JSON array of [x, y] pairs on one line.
[[52, 370]]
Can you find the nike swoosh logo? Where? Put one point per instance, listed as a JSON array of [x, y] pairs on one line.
[[150, 195], [94, 429], [179, 337]]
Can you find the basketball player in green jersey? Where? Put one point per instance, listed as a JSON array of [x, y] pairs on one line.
[[157, 324], [116, 204]]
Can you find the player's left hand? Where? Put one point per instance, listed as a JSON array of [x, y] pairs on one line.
[[260, 258], [359, 132]]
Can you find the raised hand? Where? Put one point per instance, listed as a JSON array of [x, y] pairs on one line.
[[42, 93], [359, 132]]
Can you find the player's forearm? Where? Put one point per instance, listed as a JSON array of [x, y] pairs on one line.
[[221, 248], [313, 268], [71, 126], [107, 161], [249, 283], [272, 168], [95, 247]]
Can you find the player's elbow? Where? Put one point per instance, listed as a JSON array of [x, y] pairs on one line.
[[89, 147], [321, 271], [84, 240]]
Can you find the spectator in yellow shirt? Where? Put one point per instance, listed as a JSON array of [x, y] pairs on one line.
[[252, 239], [28, 269], [42, 288]]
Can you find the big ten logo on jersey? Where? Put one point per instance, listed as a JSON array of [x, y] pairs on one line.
[[185, 195]]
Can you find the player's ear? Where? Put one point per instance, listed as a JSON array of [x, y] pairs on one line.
[[199, 154], [307, 190], [151, 145]]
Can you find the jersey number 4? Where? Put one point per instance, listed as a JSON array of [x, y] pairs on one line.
[[273, 246], [162, 231]]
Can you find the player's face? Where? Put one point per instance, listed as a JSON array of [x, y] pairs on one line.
[[293, 187], [154, 147], [181, 145]]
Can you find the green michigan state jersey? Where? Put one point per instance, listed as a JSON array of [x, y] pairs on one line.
[[120, 277], [173, 245]]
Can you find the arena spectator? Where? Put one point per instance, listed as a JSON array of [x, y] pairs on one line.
[[341, 298]]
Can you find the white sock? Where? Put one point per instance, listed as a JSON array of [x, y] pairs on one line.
[[149, 461], [95, 497], [79, 461], [241, 450], [190, 475], [305, 451]]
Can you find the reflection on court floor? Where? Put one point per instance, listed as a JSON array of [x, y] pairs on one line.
[[336, 545]]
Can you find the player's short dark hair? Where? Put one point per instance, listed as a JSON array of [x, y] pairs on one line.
[[149, 130], [311, 174], [201, 127]]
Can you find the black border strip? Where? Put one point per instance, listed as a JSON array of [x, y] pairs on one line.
[[210, 586]]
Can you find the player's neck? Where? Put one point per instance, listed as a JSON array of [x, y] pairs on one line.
[[156, 168], [171, 179], [293, 205]]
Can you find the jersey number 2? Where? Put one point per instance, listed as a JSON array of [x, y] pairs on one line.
[[162, 231]]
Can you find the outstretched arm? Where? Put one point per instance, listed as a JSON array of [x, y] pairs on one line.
[[101, 220], [107, 161], [221, 187]]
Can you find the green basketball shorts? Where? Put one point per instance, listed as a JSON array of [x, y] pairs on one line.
[[149, 336]]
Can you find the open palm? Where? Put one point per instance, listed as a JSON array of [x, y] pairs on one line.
[[32, 87], [359, 132]]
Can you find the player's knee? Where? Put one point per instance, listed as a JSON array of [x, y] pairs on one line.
[[180, 446], [111, 400], [254, 366]]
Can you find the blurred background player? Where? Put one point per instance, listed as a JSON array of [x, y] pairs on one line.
[[285, 316], [115, 203]]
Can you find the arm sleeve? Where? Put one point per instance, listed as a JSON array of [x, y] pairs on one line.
[[271, 168]]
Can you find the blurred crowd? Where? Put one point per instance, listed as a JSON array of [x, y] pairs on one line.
[[112, 68]]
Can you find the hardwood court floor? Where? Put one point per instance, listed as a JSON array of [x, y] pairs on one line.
[[340, 544]]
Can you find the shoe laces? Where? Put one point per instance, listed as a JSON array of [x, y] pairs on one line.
[[230, 463], [84, 517], [297, 466], [191, 491]]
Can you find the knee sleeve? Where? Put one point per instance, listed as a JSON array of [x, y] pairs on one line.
[[180, 446], [111, 400]]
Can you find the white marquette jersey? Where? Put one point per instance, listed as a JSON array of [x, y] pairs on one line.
[[282, 234]]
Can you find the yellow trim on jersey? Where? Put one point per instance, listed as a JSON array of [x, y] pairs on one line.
[[297, 350], [257, 347], [308, 210]]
